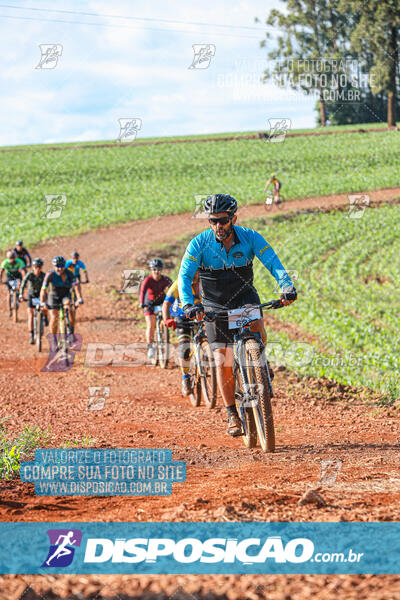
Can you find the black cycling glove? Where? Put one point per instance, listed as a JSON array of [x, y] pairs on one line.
[[191, 310], [289, 294]]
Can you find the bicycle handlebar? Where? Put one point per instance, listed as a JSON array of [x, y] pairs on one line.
[[272, 304]]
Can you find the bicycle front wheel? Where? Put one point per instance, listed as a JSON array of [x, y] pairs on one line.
[[14, 300], [164, 345], [259, 383], [195, 379], [245, 412], [39, 329]]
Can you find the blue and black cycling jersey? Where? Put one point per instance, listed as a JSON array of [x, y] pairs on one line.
[[55, 283], [227, 277]]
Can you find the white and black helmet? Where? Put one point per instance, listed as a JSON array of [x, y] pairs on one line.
[[218, 203]]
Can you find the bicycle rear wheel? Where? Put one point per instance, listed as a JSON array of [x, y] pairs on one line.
[[209, 380], [259, 380], [164, 345]]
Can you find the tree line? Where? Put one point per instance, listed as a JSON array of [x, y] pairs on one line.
[[345, 52]]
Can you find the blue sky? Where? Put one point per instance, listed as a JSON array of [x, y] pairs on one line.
[[137, 69]]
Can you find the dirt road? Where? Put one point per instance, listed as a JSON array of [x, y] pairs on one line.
[[315, 421]]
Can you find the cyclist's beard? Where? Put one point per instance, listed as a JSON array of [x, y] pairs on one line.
[[220, 237]]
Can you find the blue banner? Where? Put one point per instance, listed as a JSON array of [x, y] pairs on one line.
[[99, 472], [210, 548]]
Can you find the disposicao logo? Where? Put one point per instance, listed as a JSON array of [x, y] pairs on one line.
[[62, 542], [191, 550]]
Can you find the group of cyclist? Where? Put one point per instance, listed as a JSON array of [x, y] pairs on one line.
[[216, 273], [52, 289]]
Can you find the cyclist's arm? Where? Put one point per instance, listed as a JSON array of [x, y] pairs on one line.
[[270, 260], [1, 274], [43, 291], [143, 290], [267, 184], [23, 284], [28, 264], [189, 265], [83, 267], [165, 309], [74, 283]]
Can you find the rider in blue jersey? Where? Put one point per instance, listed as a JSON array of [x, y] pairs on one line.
[[75, 265], [56, 289], [224, 257]]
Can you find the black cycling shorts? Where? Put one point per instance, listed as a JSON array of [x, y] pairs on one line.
[[30, 297], [218, 333], [8, 279], [54, 301]]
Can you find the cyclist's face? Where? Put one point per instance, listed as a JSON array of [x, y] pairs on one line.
[[36, 270], [75, 259], [156, 273], [221, 230], [60, 270]]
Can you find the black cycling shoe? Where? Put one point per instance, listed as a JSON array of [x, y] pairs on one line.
[[46, 321], [234, 425]]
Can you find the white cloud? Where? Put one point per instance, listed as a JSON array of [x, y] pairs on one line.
[[106, 73]]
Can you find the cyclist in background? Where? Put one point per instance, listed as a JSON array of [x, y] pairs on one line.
[[276, 186], [224, 257], [13, 268], [35, 280], [75, 265], [57, 286], [23, 254], [174, 316], [152, 293]]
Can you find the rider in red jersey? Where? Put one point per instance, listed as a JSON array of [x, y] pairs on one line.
[[152, 293]]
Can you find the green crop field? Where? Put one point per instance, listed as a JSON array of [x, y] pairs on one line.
[[348, 271], [122, 183]]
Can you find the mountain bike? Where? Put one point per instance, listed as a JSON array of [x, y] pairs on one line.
[[253, 382], [203, 375], [270, 199], [13, 286], [161, 353]]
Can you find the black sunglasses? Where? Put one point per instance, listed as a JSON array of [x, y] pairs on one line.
[[221, 220]]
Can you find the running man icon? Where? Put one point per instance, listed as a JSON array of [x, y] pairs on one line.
[[61, 551]]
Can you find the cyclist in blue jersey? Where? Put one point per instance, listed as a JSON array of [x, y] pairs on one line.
[[224, 257], [75, 265], [59, 282]]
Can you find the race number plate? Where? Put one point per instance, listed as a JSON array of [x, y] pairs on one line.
[[237, 315], [36, 301]]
